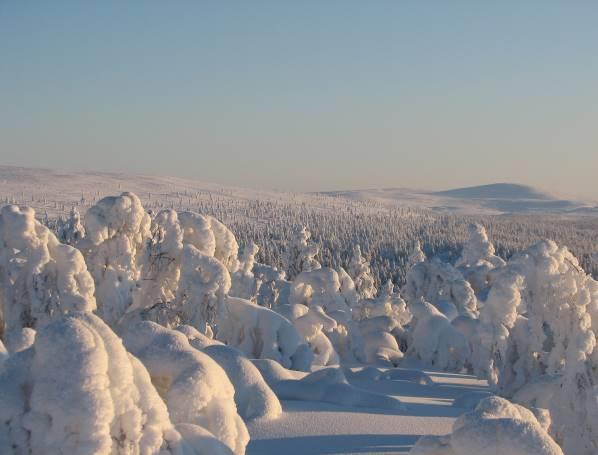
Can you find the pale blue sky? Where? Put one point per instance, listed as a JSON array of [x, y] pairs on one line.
[[306, 95]]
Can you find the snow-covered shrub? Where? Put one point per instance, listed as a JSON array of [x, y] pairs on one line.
[[117, 229], [77, 390], [496, 426], [253, 396], [40, 278], [262, 334], [195, 388]]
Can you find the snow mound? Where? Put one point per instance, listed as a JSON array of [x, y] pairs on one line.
[[494, 426], [391, 374], [331, 386], [195, 388]]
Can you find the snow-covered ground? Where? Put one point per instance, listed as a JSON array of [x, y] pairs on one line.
[[321, 428], [131, 328]]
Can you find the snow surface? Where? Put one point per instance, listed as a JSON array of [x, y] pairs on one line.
[[308, 427]]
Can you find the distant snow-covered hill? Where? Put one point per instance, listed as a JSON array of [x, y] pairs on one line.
[[485, 199], [55, 191], [510, 191]]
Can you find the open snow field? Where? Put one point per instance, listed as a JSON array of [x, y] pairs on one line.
[[320, 428]]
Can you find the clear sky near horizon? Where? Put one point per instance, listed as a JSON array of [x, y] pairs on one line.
[[306, 95]]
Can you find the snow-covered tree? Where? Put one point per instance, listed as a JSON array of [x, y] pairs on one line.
[[416, 255], [442, 285], [478, 259], [40, 278], [359, 270], [300, 253], [71, 231], [77, 390], [195, 388], [244, 283], [118, 229]]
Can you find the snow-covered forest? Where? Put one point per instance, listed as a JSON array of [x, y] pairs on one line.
[[385, 230], [147, 328]]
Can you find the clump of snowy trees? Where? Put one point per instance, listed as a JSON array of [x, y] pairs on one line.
[[167, 337]]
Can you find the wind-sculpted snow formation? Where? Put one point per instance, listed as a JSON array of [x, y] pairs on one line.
[[214, 339]]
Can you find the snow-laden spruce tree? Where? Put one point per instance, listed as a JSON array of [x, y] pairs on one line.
[[273, 289], [366, 340], [321, 287], [300, 253], [71, 231], [359, 270], [210, 237], [559, 304], [40, 278], [498, 317], [478, 259], [117, 230], [184, 271], [442, 285], [160, 270], [203, 287], [244, 284], [416, 255], [77, 390]]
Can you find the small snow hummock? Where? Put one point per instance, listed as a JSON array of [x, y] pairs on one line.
[[495, 426]]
